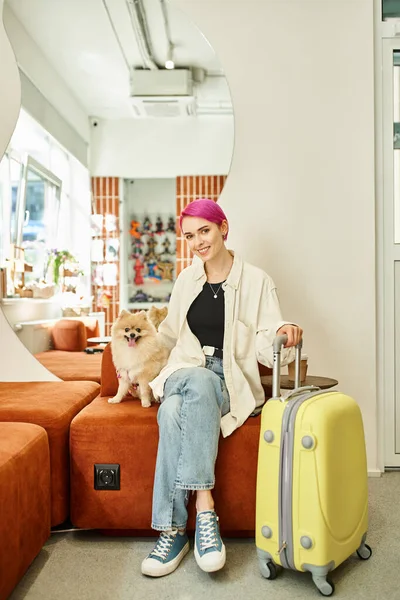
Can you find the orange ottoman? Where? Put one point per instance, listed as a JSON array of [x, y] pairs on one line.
[[126, 435], [52, 405], [72, 366], [24, 499]]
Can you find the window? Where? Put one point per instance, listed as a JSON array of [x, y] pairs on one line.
[[44, 205], [40, 209], [33, 211], [390, 9]]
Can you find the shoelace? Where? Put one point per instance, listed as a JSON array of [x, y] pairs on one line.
[[207, 530], [164, 544]]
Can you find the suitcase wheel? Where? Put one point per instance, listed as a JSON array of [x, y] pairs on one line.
[[364, 552], [268, 569], [325, 587]]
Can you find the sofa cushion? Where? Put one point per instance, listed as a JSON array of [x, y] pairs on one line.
[[127, 434], [109, 381], [52, 405], [92, 328], [72, 366], [69, 335], [24, 499]]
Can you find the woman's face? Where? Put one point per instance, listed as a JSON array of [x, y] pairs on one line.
[[205, 239]]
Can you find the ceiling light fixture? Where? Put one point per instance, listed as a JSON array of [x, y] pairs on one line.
[[169, 63]]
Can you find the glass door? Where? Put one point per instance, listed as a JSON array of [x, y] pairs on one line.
[[390, 263]]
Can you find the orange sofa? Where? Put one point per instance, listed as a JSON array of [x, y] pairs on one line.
[[127, 435], [35, 419], [67, 359], [51, 405], [24, 499]]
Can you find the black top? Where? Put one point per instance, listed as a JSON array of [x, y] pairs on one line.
[[206, 316]]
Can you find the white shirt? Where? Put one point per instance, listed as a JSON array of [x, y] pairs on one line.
[[252, 318]]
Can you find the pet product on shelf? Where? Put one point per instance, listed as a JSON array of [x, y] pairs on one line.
[[159, 226], [137, 246], [139, 266], [134, 230], [147, 226], [166, 243], [166, 269], [151, 245], [171, 225], [152, 266]]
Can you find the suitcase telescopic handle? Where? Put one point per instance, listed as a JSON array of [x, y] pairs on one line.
[[280, 341]]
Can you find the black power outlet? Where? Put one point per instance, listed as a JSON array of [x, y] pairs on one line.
[[107, 477]]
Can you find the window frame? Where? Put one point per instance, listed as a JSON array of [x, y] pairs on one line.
[[28, 163]]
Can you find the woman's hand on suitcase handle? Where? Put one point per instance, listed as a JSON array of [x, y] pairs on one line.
[[294, 334]]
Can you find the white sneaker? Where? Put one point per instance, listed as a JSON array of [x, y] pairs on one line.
[[167, 554], [209, 549]]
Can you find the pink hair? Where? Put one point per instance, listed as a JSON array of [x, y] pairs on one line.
[[206, 209]]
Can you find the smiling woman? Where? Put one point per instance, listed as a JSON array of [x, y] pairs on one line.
[[116, 92]]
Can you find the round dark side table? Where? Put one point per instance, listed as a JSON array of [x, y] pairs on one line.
[[322, 382], [102, 342]]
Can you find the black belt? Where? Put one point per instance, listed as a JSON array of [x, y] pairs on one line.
[[218, 353]]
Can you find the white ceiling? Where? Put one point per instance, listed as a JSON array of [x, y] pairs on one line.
[[77, 38]]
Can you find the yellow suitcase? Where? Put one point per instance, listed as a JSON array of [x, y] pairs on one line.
[[312, 496]]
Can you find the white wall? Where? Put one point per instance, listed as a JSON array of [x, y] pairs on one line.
[[47, 93], [162, 147], [11, 89], [36, 104], [157, 196], [300, 195]]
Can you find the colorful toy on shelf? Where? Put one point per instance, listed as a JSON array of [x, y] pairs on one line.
[[166, 268], [159, 226], [152, 266], [166, 243], [147, 226], [137, 246], [139, 296], [171, 225], [134, 230], [139, 266], [151, 254]]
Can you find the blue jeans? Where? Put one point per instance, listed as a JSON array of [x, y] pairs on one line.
[[189, 420]]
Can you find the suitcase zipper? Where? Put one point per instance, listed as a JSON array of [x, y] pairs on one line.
[[281, 549], [286, 551]]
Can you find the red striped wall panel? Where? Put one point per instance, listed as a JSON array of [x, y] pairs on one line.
[[189, 188], [106, 198]]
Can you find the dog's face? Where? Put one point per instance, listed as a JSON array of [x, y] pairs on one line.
[[131, 328], [157, 315]]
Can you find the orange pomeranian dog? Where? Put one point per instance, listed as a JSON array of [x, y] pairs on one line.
[[157, 315], [137, 354]]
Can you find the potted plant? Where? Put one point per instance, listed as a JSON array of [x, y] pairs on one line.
[[57, 258]]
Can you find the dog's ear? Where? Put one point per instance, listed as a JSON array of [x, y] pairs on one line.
[[124, 312]]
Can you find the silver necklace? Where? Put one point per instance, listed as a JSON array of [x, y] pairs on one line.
[[213, 291]]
